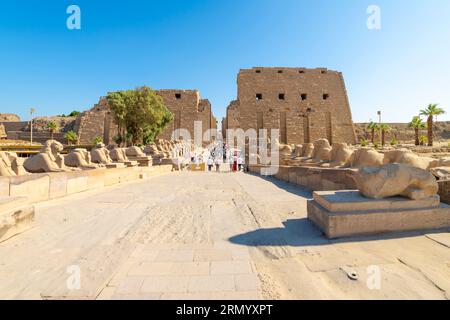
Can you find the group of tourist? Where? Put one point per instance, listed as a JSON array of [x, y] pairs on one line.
[[218, 155]]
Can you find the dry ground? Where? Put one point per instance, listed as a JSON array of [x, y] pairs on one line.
[[208, 236]]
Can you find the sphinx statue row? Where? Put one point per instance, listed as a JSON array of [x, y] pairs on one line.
[[50, 159], [380, 175], [341, 155]]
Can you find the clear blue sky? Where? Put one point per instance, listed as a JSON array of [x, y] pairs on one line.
[[202, 44]]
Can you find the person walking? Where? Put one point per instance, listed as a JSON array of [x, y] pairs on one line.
[[217, 163], [210, 164], [240, 163]]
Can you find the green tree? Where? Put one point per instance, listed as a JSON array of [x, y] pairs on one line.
[[423, 140], [71, 137], [384, 129], [140, 114], [97, 140], [417, 124], [373, 126], [52, 127], [363, 142], [430, 112]]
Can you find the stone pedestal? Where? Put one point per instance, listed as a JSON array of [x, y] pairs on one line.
[[130, 164], [115, 165], [167, 161], [142, 161], [348, 213]]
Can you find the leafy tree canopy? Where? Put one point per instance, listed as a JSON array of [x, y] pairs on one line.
[[140, 114]]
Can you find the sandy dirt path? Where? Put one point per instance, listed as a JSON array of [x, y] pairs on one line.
[[210, 236]]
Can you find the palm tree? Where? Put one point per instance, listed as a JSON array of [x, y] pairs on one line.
[[373, 126], [431, 111], [71, 137], [384, 129], [417, 124], [52, 127]]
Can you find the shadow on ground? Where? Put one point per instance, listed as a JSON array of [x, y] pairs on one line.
[[289, 187], [302, 232]]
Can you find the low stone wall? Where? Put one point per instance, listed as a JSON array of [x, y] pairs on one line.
[[444, 190], [315, 179], [325, 179], [47, 186]]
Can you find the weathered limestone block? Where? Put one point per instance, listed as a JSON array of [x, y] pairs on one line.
[[35, 187], [48, 160], [396, 180], [322, 151], [79, 158], [100, 154], [57, 185], [366, 157], [405, 156], [4, 186], [15, 216], [341, 155], [349, 213], [77, 182]]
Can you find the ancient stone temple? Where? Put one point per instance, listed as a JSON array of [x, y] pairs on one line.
[[96, 122], [304, 104], [185, 105]]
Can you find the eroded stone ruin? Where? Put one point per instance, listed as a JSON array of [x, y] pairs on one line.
[[304, 104]]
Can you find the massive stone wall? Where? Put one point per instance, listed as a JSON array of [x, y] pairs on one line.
[[305, 104], [96, 122], [185, 105]]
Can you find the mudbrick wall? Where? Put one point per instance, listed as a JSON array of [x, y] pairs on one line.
[[304, 104]]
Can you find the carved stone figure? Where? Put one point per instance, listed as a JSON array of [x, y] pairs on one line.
[[308, 150], [153, 151], [118, 155], [341, 155], [79, 158], [11, 164], [48, 160], [396, 180], [366, 157], [134, 152], [322, 151], [100, 154], [405, 156], [298, 151], [285, 151]]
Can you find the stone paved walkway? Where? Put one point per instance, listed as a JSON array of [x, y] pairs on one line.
[[210, 236]]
